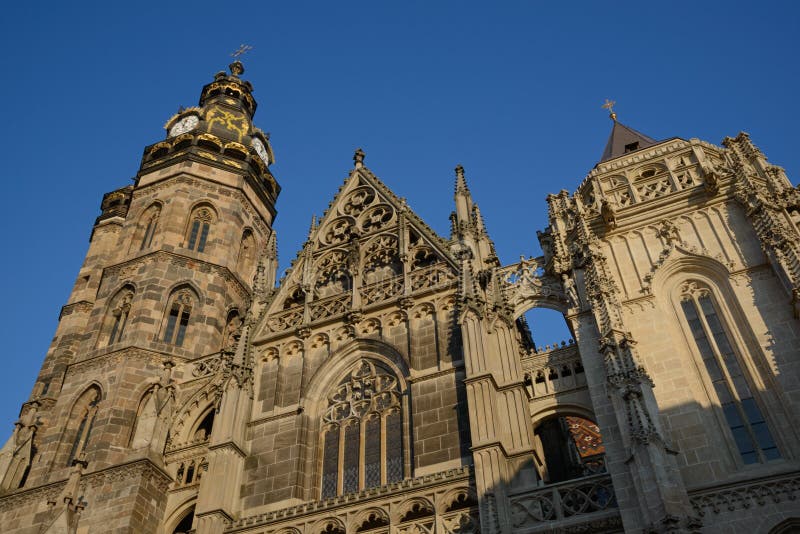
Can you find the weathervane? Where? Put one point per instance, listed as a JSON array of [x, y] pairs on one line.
[[242, 50], [609, 105]]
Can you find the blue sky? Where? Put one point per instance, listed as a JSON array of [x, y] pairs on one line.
[[511, 90]]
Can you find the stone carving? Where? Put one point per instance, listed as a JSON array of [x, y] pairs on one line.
[[742, 496], [586, 496], [367, 389], [526, 282]]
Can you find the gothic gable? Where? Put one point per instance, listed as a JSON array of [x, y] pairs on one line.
[[368, 248]]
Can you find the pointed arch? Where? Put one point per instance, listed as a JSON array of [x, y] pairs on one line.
[[146, 417], [724, 358], [180, 521], [117, 315], [362, 415], [198, 228], [190, 413], [78, 431], [146, 227], [182, 305]]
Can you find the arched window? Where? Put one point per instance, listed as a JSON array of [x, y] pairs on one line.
[[721, 360], [179, 312], [149, 224], [117, 317], [362, 437], [199, 228], [83, 413]]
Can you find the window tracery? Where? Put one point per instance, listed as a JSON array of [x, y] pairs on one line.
[[720, 359], [362, 436], [199, 228], [178, 316], [118, 315]]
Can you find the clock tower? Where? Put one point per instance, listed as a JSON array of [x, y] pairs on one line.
[[166, 285]]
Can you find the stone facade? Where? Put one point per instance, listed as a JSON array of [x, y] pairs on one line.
[[388, 382]]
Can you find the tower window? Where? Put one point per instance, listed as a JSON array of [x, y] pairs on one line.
[[199, 229], [86, 408], [117, 317], [178, 318], [362, 436], [744, 417], [630, 147], [147, 227]]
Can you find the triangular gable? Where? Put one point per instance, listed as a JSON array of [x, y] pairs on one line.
[[366, 230], [624, 140]]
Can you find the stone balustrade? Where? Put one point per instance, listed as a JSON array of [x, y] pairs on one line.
[[589, 502]]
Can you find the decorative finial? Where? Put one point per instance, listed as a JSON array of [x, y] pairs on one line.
[[461, 181], [313, 226], [609, 105], [358, 158], [237, 68]]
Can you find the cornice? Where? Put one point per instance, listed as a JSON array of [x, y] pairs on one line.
[[363, 498]]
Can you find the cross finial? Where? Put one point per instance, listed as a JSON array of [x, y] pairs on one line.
[[242, 50], [609, 105]]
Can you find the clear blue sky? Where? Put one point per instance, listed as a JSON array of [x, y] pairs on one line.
[[512, 90]]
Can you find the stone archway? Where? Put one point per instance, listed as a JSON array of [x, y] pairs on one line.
[[526, 285]]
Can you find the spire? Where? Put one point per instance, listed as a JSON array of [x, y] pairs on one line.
[[623, 139]]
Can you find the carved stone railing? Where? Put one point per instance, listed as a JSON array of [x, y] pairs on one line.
[[206, 366], [382, 290], [589, 502], [554, 371], [330, 306], [767, 491], [286, 319], [433, 276], [189, 471], [440, 502]]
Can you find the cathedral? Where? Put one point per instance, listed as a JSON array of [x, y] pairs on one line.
[[388, 382]]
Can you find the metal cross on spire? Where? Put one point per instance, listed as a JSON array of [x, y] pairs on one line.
[[242, 50], [609, 105]]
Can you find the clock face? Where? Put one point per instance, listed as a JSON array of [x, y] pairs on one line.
[[184, 125], [261, 150]]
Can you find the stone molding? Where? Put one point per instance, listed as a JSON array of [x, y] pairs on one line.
[[361, 499], [118, 357], [115, 474], [745, 495], [125, 269]]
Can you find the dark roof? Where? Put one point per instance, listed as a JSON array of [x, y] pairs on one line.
[[622, 137]]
